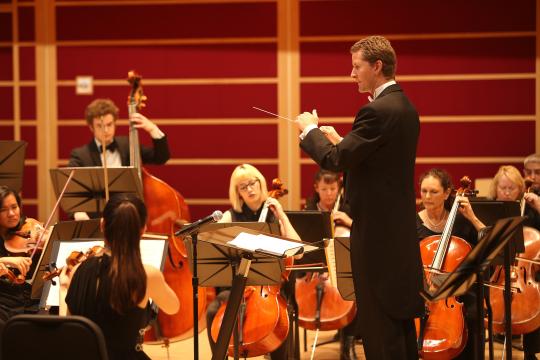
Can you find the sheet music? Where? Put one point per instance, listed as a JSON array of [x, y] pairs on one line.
[[151, 253], [265, 243]]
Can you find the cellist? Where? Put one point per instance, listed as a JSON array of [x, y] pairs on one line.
[[508, 185], [327, 189], [101, 116], [248, 194], [14, 298], [435, 192]]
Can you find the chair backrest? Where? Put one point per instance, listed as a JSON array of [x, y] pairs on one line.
[[52, 337]]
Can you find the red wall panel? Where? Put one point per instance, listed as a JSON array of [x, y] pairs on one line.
[[476, 139], [6, 132], [28, 134], [29, 182], [441, 56], [6, 63], [28, 103], [166, 21], [421, 16], [222, 141], [6, 111], [27, 63], [217, 60], [5, 27], [204, 181], [476, 97], [190, 101], [26, 23]]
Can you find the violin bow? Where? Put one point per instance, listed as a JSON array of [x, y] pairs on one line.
[[40, 240], [104, 152]]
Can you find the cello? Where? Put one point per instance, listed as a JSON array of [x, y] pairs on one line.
[[526, 300], [444, 332], [263, 319], [166, 211]]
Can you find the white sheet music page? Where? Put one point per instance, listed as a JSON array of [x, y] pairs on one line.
[[265, 243]]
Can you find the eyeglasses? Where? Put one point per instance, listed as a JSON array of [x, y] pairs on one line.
[[529, 172], [250, 184]]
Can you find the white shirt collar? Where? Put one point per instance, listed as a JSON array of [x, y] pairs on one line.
[[380, 89]]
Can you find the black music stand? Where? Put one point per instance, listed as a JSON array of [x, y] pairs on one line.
[[472, 268], [220, 261], [12, 163], [86, 191], [345, 283], [313, 227], [489, 211], [66, 230]]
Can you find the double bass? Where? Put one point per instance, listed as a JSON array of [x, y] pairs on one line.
[[263, 318], [444, 332], [523, 276], [166, 211]]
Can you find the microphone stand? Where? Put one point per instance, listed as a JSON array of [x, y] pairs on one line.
[[195, 284]]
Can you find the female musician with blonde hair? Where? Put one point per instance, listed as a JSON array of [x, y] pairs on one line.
[[508, 185]]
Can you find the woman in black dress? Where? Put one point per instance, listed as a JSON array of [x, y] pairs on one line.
[[113, 289], [435, 192]]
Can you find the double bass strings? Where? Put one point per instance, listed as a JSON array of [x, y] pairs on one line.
[[271, 113]]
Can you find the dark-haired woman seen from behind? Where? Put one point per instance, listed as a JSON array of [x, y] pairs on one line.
[[113, 290]]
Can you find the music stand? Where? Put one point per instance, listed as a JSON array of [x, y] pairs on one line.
[[489, 211], [472, 267], [313, 227], [66, 230], [12, 163], [86, 191], [220, 261]]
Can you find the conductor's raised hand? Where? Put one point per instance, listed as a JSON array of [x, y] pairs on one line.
[[305, 119]]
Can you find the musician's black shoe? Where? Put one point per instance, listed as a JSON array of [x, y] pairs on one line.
[[347, 350]]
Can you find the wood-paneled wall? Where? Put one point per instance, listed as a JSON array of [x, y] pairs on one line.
[[469, 67]]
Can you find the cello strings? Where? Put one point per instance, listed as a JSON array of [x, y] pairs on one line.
[[271, 113]]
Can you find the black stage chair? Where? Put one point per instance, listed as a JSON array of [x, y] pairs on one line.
[[52, 337]]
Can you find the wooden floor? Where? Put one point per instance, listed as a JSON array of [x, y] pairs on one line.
[[184, 349]]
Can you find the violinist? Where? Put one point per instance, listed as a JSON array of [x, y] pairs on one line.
[[327, 186], [248, 193], [14, 298], [508, 185], [113, 290], [101, 116], [436, 194]]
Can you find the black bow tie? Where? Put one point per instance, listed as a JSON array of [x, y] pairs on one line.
[[111, 147]]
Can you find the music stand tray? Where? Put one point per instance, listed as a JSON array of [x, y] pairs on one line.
[[86, 191], [12, 163]]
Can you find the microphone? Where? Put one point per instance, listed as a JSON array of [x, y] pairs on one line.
[[193, 227]]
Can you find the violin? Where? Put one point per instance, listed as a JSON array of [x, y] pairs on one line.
[[74, 259], [263, 317], [23, 242], [526, 300], [444, 331]]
